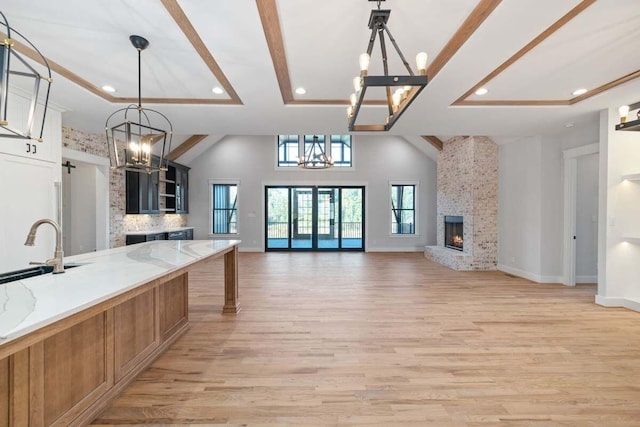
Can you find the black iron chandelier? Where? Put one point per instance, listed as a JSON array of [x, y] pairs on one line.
[[400, 90], [131, 143], [20, 75], [633, 125], [314, 156]]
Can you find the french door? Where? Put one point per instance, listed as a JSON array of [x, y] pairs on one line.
[[314, 218]]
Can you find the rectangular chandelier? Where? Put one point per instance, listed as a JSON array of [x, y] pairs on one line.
[[400, 90]]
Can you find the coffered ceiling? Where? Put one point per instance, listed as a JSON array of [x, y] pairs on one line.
[[530, 55]]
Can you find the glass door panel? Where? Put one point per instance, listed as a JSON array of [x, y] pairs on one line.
[[314, 218], [352, 218], [277, 218], [302, 218], [326, 218]]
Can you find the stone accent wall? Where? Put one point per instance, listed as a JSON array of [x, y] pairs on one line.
[[468, 187], [119, 222]]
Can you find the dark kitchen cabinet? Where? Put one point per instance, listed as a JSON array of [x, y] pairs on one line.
[[184, 234], [176, 192], [142, 193]]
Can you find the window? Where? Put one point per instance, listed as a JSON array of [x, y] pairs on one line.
[[288, 150], [403, 213], [341, 150], [224, 208], [292, 147]]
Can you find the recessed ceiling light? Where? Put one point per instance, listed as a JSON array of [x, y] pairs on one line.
[[301, 91], [217, 90], [482, 91], [108, 88], [579, 92]]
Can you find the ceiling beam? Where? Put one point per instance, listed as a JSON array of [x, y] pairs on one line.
[[434, 140], [466, 30], [187, 145], [584, 4], [192, 35]]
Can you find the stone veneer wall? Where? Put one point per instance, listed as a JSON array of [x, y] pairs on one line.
[[119, 222], [468, 186]]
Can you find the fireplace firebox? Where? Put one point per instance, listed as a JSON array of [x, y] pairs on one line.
[[453, 232]]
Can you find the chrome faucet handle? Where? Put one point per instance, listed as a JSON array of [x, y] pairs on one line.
[[37, 263]]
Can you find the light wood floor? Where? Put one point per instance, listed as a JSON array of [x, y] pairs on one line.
[[390, 340]]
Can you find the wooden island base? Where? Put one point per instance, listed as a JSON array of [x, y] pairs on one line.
[[66, 373]]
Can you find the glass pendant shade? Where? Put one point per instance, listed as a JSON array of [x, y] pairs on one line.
[[137, 141], [22, 76]]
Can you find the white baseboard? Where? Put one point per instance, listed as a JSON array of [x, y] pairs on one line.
[[630, 303], [530, 276], [409, 249], [586, 279], [241, 249]]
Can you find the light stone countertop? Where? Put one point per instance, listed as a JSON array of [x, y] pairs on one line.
[[156, 231], [27, 305]]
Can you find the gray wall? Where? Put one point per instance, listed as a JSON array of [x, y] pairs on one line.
[[530, 214], [378, 160]]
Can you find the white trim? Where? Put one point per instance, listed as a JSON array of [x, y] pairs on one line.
[[586, 279], [210, 183], [416, 206], [103, 218], [609, 302], [529, 276], [569, 230], [405, 249], [584, 150], [570, 157], [247, 249]]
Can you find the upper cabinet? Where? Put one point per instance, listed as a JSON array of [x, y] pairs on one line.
[[154, 193], [176, 189]]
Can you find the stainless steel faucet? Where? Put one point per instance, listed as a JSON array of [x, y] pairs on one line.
[[57, 260]]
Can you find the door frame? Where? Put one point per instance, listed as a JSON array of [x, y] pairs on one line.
[[315, 188], [570, 157], [102, 165]]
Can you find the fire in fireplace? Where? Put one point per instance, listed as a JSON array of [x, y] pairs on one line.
[[453, 234]]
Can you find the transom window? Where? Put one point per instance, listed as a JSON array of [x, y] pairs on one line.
[[341, 150], [291, 147], [288, 150], [224, 208]]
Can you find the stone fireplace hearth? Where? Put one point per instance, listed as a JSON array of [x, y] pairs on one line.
[[468, 199]]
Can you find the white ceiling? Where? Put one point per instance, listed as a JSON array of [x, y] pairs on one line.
[[322, 41]]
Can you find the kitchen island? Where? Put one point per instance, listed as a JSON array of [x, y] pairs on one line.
[[69, 343]]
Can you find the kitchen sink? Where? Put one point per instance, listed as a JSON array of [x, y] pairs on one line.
[[26, 273]]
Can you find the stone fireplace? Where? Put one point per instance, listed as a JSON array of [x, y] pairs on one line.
[[467, 205]]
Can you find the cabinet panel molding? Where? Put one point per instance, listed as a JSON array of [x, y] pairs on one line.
[[134, 332]]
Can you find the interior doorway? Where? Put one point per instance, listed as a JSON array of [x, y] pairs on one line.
[[85, 202], [314, 218], [581, 215]]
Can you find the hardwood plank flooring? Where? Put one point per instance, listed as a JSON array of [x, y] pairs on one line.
[[354, 339]]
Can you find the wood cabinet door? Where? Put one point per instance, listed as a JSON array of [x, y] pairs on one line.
[[70, 370], [135, 332], [173, 306], [4, 392]]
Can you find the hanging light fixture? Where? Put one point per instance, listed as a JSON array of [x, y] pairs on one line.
[[22, 75], [314, 156], [132, 140], [633, 125], [401, 90]]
